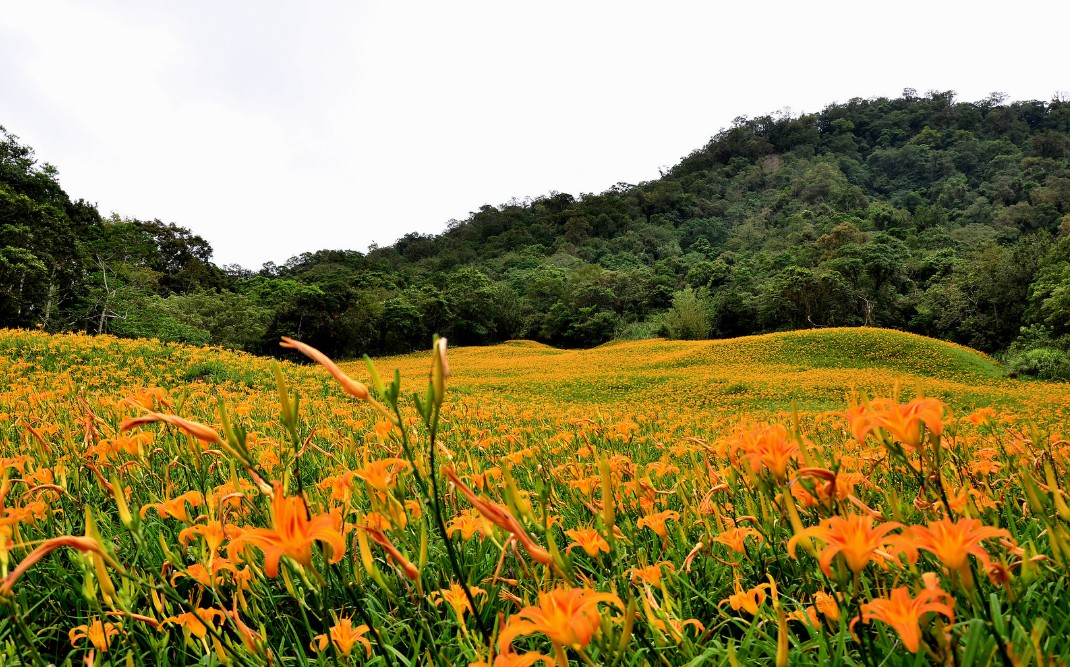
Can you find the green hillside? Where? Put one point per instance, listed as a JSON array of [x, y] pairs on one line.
[[946, 218]]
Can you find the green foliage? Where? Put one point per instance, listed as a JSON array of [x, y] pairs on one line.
[[1038, 353], [1049, 295], [689, 317], [921, 213]]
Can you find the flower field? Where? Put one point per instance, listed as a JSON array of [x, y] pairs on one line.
[[844, 496]]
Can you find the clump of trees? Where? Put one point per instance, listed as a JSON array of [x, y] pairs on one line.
[[921, 213]]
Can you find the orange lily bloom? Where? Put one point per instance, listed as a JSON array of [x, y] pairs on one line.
[[902, 421], [675, 627], [733, 538], [854, 537], [656, 522], [455, 597], [953, 542], [380, 474], [500, 517], [344, 637], [98, 633], [340, 486], [834, 485], [589, 539], [194, 625], [213, 533], [568, 616], [806, 615], [651, 574], [207, 576], [176, 507], [292, 534], [748, 600], [904, 613], [468, 523], [375, 521], [510, 659], [768, 446], [826, 604]]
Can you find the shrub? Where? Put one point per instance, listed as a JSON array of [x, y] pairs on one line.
[[689, 317]]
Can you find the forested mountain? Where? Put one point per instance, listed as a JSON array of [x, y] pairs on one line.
[[950, 219]]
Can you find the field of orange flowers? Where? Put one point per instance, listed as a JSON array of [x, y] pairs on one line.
[[837, 496]]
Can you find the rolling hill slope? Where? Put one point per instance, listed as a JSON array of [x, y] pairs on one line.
[[814, 368]]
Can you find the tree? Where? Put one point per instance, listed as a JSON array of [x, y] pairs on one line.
[[689, 317], [1049, 295]]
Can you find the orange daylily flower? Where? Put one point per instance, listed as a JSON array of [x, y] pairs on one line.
[[953, 542], [904, 613], [380, 474], [675, 627], [586, 485], [806, 615], [292, 534], [651, 574], [510, 659], [827, 485], [207, 576], [340, 486], [375, 521], [455, 597], [468, 523], [902, 421], [981, 415], [826, 604], [214, 533], [589, 539], [344, 637], [480, 479], [765, 445], [98, 633], [196, 623], [854, 537], [568, 616], [500, 517], [733, 538], [147, 398], [656, 522], [748, 600]]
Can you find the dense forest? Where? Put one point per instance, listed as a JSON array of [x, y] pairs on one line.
[[949, 219]]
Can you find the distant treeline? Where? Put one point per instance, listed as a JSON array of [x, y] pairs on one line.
[[945, 218]]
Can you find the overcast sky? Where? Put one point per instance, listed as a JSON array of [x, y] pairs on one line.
[[273, 128]]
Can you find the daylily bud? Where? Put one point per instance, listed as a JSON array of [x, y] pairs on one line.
[[196, 429], [351, 386], [440, 370]]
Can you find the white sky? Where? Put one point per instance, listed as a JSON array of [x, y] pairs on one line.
[[273, 128]]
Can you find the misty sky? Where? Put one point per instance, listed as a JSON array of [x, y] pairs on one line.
[[273, 128]]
